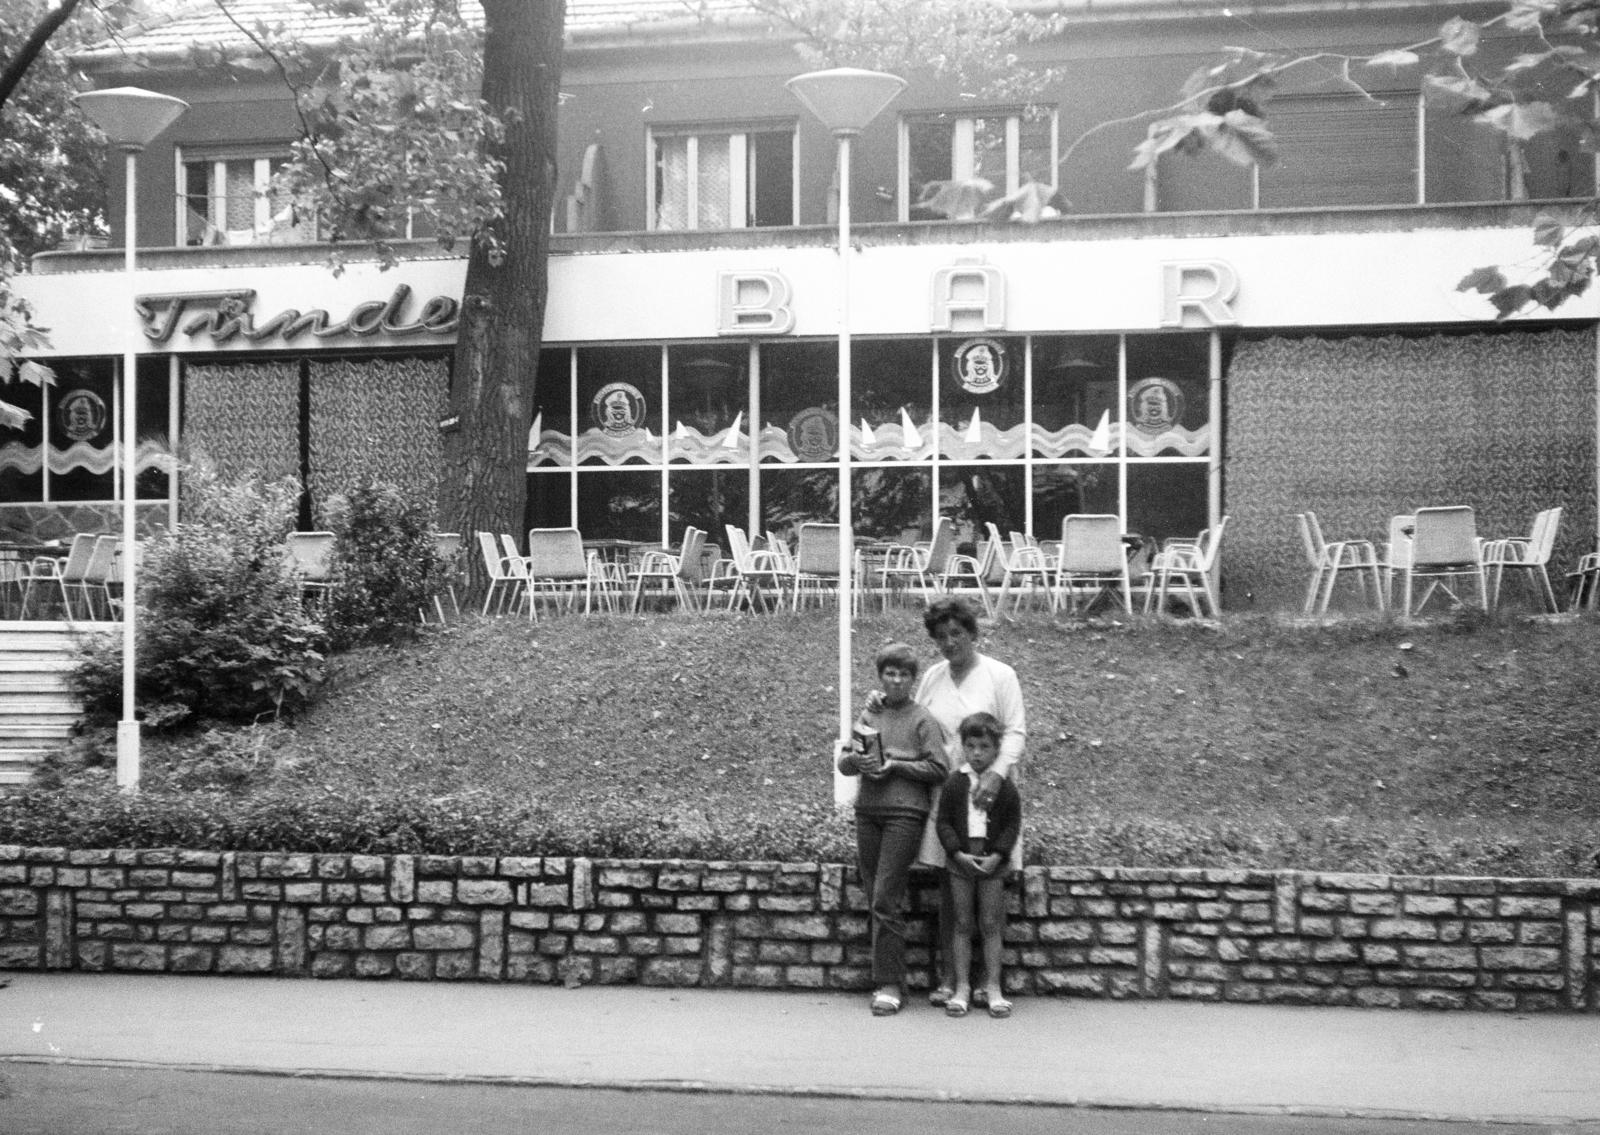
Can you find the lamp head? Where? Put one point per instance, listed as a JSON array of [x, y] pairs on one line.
[[845, 99], [130, 117]]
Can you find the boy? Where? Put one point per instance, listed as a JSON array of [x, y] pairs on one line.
[[898, 775], [978, 845]]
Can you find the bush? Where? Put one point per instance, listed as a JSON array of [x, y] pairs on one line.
[[221, 633], [384, 568]]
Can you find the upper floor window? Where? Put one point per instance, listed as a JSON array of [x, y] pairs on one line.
[[999, 147], [225, 198], [1343, 149], [722, 178]]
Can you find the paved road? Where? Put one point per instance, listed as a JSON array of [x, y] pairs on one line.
[[67, 1099]]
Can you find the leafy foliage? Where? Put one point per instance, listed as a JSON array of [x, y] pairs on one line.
[[384, 568], [221, 632]]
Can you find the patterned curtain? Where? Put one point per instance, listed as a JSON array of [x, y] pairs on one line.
[[245, 417], [1360, 429], [379, 419]]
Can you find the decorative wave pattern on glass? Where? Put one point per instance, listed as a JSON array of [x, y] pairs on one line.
[[1079, 439], [980, 439], [615, 449], [81, 456], [729, 446]]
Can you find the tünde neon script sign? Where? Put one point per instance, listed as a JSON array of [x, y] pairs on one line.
[[229, 315]]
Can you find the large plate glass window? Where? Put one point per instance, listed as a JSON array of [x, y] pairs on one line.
[[722, 177], [227, 198]]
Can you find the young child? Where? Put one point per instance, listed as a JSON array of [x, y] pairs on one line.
[[978, 846], [897, 778]]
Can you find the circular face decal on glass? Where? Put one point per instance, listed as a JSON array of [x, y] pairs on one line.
[[1155, 404], [980, 365], [82, 414], [814, 434], [618, 408]]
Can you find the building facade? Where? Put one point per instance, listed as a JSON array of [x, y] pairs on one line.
[[1201, 341]]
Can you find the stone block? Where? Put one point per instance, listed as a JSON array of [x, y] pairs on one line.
[[374, 965], [1533, 958], [1524, 906], [794, 904], [332, 965], [130, 956], [483, 892], [244, 959], [439, 892], [453, 936], [1440, 957], [682, 972], [1412, 929], [413, 966], [455, 965]]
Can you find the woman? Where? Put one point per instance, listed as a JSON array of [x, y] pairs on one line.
[[966, 682]]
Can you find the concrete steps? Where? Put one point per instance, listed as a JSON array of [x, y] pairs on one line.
[[38, 710]]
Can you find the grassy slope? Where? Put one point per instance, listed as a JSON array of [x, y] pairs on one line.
[[1460, 748]]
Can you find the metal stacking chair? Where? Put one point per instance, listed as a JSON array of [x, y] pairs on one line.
[[309, 556], [447, 549], [1021, 566], [1192, 566], [91, 585], [816, 563], [1328, 560], [1092, 553], [926, 567], [508, 575], [974, 571], [1583, 585], [757, 572], [1444, 547], [55, 576], [1530, 554], [560, 568], [674, 574], [114, 592]]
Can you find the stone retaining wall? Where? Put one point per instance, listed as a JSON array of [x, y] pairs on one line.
[[1265, 936]]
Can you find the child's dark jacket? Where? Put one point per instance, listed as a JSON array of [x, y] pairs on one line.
[[1005, 817]]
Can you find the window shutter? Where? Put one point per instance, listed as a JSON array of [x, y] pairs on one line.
[[1342, 150]]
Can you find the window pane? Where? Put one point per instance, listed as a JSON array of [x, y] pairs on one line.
[[771, 192], [799, 402], [1064, 490], [1074, 394], [1034, 158], [892, 391], [552, 426], [240, 205], [974, 495], [155, 443], [1168, 404], [708, 398], [549, 500], [21, 467], [619, 406], [989, 150], [618, 505], [930, 146], [715, 175], [197, 201], [1168, 499], [981, 399], [709, 499], [82, 408], [789, 497], [887, 502], [672, 183]]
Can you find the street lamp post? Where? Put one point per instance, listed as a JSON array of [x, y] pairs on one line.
[[130, 118], [845, 100]]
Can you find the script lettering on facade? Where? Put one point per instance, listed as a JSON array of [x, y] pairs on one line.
[[226, 315]]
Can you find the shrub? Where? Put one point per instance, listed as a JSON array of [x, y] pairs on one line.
[[221, 632], [384, 568]]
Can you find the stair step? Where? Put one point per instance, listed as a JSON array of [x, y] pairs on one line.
[[14, 736]]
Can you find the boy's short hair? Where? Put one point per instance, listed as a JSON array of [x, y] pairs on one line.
[[897, 654], [981, 725]]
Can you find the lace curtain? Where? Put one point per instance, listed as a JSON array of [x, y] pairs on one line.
[[376, 418], [245, 417]]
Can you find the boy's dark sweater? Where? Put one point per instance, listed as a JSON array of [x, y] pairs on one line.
[[1005, 817]]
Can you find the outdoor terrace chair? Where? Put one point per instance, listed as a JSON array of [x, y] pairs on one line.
[[816, 563], [1021, 566], [1093, 554], [55, 577], [447, 551], [1192, 566], [1327, 561], [560, 569], [1583, 584], [976, 572], [115, 594], [757, 574], [674, 574], [1444, 547], [507, 574], [310, 556], [91, 585], [1529, 554], [926, 567]]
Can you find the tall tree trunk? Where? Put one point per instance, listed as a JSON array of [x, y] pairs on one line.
[[484, 481]]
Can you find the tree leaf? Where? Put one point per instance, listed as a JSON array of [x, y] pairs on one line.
[[1485, 280], [1521, 120], [1460, 86], [1509, 301], [1528, 15], [1548, 231], [1395, 59], [1459, 37]]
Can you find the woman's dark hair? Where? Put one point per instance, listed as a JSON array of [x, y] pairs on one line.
[[981, 725], [947, 610]]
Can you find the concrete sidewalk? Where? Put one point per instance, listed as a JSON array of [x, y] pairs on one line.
[[1369, 1063]]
